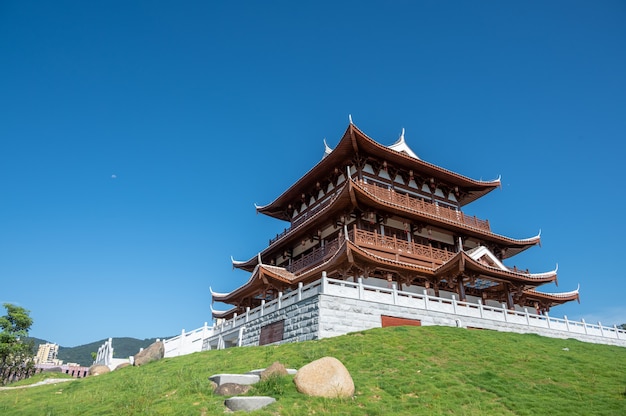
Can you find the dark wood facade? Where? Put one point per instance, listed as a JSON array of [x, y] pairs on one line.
[[368, 210]]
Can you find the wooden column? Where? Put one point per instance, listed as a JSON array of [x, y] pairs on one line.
[[509, 297], [459, 244], [436, 288], [461, 288]]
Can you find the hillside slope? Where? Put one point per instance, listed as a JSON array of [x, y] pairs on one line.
[[399, 371]]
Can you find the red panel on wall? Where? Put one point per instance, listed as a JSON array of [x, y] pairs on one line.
[[393, 321]]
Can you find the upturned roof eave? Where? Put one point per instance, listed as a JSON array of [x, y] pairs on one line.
[[535, 279], [554, 298], [477, 188], [224, 297], [339, 202], [354, 140], [250, 285], [329, 162], [223, 314]]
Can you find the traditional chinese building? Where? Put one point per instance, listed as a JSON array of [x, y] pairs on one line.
[[383, 216]]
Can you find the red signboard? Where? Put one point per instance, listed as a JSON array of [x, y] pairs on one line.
[[393, 321]]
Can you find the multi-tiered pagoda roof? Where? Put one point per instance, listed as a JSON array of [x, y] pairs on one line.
[[380, 212]]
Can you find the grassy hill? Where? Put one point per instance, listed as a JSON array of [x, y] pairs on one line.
[[397, 371], [81, 354]]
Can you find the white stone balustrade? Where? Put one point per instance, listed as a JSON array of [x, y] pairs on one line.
[[187, 342], [330, 307]]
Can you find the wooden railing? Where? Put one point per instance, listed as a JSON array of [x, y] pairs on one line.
[[314, 258], [381, 243], [395, 245], [415, 204]]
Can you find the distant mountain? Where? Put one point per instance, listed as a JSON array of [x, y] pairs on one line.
[[122, 348]]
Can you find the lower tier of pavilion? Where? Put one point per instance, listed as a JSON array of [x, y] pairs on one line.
[[385, 261]]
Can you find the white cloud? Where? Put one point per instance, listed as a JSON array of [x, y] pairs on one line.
[[608, 316]]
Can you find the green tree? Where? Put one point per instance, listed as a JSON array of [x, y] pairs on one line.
[[622, 326], [16, 356]]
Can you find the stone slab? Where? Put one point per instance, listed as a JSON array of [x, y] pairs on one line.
[[258, 371], [248, 403], [245, 379]]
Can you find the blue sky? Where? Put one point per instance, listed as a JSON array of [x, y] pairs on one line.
[[135, 138]]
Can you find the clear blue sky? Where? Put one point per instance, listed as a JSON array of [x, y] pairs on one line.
[[135, 138]]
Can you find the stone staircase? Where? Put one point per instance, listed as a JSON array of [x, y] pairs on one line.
[[245, 403]]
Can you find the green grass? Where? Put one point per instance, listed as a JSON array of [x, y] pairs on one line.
[[397, 371]]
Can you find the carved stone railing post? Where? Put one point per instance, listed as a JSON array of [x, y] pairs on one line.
[[527, 316], [360, 287], [181, 341]]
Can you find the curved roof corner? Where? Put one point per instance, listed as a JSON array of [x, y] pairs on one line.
[[327, 149]]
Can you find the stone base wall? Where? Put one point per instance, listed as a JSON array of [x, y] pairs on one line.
[[329, 308], [339, 316], [301, 323]]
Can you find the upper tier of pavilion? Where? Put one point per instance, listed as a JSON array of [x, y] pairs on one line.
[[353, 148]]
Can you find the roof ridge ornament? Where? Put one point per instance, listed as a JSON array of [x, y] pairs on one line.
[[350, 118], [327, 149], [401, 146]]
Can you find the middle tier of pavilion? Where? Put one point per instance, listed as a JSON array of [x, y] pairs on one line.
[[411, 266]]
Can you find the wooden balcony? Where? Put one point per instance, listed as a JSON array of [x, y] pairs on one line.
[[390, 248], [414, 204], [394, 247]]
